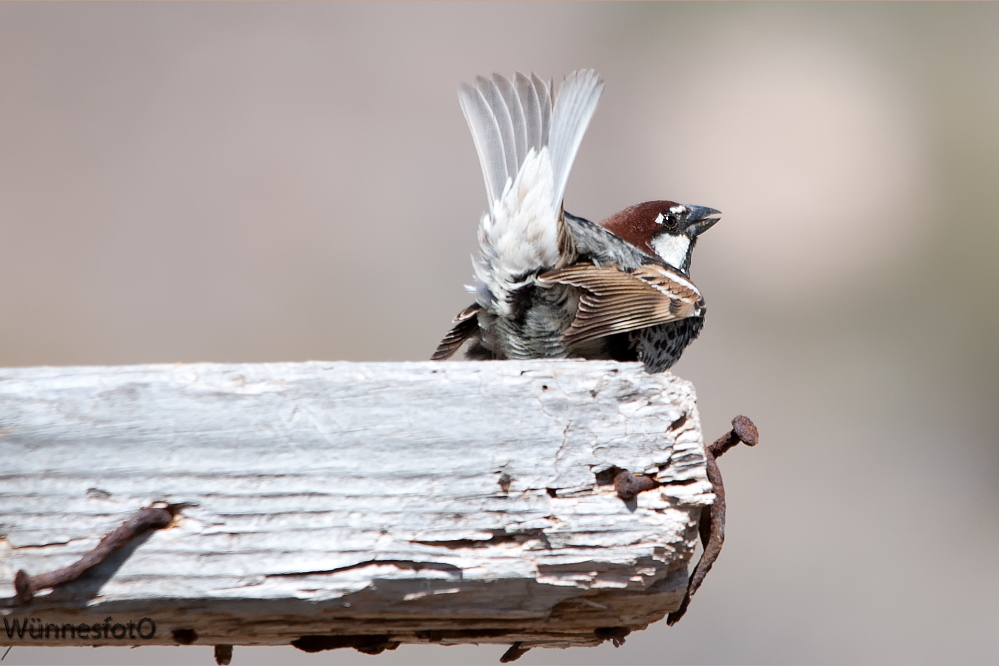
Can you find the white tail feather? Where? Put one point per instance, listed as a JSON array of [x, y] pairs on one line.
[[576, 102], [526, 143], [507, 119]]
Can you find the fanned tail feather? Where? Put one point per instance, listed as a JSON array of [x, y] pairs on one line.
[[577, 100], [509, 118]]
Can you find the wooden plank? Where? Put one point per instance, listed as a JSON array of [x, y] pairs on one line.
[[398, 502]]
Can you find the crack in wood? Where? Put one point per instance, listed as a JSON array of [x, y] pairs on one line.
[[401, 564]]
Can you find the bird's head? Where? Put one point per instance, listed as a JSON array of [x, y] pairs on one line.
[[664, 229]]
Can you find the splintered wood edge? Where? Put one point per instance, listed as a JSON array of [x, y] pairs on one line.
[[361, 504]]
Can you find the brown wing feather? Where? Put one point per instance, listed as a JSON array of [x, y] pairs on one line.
[[615, 301], [465, 325]]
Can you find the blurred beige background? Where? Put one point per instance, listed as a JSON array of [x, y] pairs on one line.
[[277, 182]]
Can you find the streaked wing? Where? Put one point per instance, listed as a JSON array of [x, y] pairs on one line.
[[465, 325], [615, 300]]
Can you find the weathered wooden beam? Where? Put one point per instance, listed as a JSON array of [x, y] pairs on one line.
[[367, 503]]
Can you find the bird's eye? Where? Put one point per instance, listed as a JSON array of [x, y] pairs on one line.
[[668, 220]]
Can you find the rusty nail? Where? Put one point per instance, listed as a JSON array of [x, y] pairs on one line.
[[27, 586], [628, 485], [516, 651], [184, 636], [712, 523], [615, 635], [223, 655], [743, 430]]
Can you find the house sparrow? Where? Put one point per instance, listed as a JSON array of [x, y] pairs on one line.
[[549, 283]]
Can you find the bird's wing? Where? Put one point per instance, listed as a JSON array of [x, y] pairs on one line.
[[465, 325], [615, 300]]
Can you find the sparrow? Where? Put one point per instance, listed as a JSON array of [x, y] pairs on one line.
[[549, 284]]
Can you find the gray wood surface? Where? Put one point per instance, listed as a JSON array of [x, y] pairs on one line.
[[410, 502]]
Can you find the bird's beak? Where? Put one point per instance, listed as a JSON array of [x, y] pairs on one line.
[[700, 219]]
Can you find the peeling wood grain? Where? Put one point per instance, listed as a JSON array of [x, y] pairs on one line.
[[419, 502]]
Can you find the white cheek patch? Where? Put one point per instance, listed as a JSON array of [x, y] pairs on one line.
[[672, 249]]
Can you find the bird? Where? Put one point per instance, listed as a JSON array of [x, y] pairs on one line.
[[550, 284]]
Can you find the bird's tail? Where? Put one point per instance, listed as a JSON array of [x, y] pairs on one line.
[[526, 140], [510, 118]]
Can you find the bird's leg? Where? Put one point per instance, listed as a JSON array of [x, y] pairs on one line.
[[712, 523]]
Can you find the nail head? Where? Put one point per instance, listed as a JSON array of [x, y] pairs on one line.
[[745, 430]]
